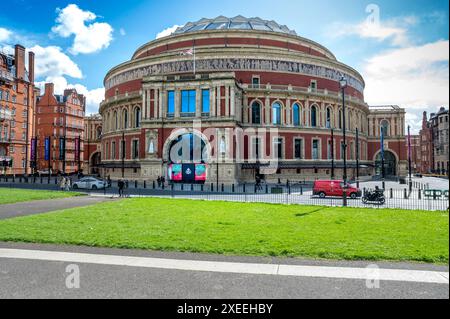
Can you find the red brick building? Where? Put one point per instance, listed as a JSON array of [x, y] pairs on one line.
[[426, 146], [92, 144], [214, 78], [60, 117], [17, 106]]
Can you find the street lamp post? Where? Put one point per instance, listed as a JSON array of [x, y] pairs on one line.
[[357, 157], [123, 154], [332, 154], [409, 158], [343, 85]]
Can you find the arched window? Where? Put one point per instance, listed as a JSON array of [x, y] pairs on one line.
[[313, 116], [125, 119], [116, 121], [340, 119], [256, 113], [328, 124], [296, 115], [137, 117], [385, 127], [276, 114]]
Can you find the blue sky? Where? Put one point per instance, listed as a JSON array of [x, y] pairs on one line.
[[403, 57]]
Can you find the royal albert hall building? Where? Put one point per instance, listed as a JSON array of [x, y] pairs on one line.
[[243, 97]]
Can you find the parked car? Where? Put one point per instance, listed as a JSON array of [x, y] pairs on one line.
[[335, 188], [89, 183]]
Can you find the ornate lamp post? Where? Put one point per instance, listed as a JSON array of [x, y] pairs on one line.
[[343, 85]]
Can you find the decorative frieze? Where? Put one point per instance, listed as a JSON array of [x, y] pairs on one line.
[[232, 64]]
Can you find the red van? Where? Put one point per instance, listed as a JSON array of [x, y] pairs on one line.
[[334, 188]]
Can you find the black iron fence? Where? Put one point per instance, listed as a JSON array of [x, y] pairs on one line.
[[420, 198]]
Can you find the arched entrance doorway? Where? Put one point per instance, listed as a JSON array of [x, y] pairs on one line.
[[187, 159], [95, 162], [390, 164]]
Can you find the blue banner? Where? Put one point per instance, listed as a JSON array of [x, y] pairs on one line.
[[62, 148], [47, 148]]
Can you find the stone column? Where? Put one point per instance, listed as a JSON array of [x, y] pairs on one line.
[[245, 109], [267, 110], [307, 117], [144, 106], [288, 113], [219, 100], [162, 103], [177, 103], [213, 101], [233, 102], [198, 103]]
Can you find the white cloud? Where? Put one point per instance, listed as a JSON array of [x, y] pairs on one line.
[[415, 78], [168, 31], [5, 34], [122, 32], [89, 38], [394, 30], [93, 97], [52, 62], [7, 49]]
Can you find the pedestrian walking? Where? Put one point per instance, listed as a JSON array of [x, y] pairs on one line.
[[68, 185], [159, 181], [62, 184], [121, 186]]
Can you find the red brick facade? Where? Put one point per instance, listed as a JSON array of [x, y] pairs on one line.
[[17, 106], [60, 117]]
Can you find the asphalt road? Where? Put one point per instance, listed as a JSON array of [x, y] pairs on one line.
[[47, 279], [45, 206]]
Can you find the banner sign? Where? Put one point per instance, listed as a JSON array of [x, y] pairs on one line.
[[47, 148], [33, 152], [62, 148], [77, 148]]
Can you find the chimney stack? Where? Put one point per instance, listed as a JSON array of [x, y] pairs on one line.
[[31, 66], [20, 61], [424, 120], [49, 89]]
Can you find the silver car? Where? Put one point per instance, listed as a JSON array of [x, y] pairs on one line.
[[89, 183]]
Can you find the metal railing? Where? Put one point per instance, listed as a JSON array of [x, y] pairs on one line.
[[289, 194]]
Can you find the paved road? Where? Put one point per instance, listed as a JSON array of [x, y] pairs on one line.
[[44, 206], [32, 278]]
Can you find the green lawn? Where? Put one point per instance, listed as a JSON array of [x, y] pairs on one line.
[[13, 195], [243, 229]]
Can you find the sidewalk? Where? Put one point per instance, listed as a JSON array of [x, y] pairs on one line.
[[401, 272], [45, 206]]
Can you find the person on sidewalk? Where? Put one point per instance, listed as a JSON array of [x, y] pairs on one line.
[[68, 184], [62, 184], [121, 185]]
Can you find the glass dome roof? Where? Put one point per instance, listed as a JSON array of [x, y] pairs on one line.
[[236, 23]]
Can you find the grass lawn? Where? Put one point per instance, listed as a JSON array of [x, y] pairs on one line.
[[243, 229], [13, 195]]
